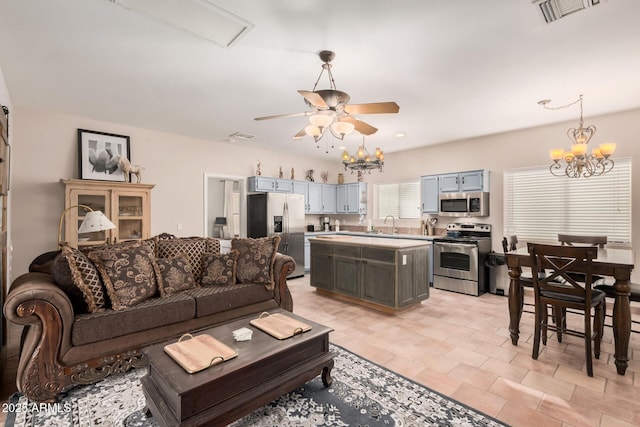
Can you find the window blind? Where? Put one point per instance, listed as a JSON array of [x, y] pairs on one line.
[[400, 200], [539, 205]]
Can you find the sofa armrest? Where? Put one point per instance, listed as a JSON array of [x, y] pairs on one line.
[[283, 265], [35, 300]]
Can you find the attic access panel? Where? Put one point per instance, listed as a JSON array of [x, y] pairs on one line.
[[200, 17]]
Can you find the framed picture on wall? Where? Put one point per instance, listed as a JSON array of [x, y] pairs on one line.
[[99, 155]]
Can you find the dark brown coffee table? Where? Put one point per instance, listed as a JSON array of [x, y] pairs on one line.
[[265, 369]]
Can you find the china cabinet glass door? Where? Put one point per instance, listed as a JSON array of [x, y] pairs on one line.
[[95, 200], [130, 219]]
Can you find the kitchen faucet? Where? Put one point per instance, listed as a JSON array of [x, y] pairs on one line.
[[393, 230]]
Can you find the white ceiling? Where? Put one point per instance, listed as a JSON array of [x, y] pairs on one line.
[[457, 68]]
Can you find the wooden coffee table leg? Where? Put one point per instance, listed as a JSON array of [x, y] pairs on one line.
[[326, 374]]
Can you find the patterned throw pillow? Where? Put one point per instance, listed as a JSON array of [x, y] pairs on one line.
[[256, 260], [174, 275], [192, 247], [219, 269], [151, 242], [86, 277], [61, 275], [128, 274]]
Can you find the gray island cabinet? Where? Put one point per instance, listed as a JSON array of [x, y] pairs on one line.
[[390, 275]]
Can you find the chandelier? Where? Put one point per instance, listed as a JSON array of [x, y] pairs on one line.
[[578, 161], [363, 160]]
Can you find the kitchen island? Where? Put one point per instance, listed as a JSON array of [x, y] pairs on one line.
[[391, 275]]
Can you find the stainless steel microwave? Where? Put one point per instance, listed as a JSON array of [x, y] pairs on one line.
[[464, 204]]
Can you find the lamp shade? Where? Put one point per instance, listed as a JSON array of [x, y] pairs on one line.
[[320, 120], [313, 131], [220, 220], [342, 128], [95, 221], [607, 148]]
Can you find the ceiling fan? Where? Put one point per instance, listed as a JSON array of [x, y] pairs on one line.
[[331, 109]]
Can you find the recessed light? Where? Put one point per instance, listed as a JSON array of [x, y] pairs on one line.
[[400, 135]]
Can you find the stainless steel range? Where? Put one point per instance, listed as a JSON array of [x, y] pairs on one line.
[[458, 259]]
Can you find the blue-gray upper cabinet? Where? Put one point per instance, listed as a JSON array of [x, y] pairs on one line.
[[321, 198], [261, 183], [328, 198], [300, 187], [284, 186], [314, 197], [352, 198], [429, 194], [464, 181]]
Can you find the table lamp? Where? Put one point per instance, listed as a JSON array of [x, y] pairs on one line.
[[219, 223], [93, 221]]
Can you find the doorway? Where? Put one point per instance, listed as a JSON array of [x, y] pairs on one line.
[[224, 206]]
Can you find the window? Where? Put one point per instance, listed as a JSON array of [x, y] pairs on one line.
[[401, 200], [538, 205]]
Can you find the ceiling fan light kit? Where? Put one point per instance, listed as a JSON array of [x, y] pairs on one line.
[[331, 109]]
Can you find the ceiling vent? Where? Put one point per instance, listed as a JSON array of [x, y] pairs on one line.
[[200, 17], [553, 10]]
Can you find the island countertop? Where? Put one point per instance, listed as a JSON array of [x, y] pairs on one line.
[[381, 242]]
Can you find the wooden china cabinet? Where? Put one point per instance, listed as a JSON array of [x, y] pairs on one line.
[[127, 205]]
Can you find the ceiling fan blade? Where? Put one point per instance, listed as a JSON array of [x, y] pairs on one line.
[[372, 108], [313, 99], [277, 116], [360, 126], [299, 134]]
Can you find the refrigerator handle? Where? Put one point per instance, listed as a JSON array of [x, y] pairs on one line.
[[285, 218]]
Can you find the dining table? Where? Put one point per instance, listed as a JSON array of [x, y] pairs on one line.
[[612, 262]]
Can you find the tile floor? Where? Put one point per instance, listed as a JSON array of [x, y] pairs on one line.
[[459, 345]]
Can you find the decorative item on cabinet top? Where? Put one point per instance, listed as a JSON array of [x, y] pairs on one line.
[[99, 155], [128, 169]]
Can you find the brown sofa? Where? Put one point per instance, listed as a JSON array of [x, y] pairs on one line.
[[63, 346]]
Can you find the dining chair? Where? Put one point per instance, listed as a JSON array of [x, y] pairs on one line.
[[510, 243], [599, 282], [558, 262], [570, 239]]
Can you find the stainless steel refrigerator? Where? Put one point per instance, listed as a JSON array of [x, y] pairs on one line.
[[269, 214]]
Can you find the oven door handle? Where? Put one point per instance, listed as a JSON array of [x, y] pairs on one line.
[[464, 245]]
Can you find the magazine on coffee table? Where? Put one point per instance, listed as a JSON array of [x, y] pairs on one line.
[[279, 325], [200, 352]]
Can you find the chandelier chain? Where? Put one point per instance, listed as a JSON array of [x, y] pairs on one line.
[[560, 107]]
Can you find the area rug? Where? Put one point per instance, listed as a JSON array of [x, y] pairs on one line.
[[362, 394]]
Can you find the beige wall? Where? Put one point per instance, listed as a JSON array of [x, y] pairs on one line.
[[45, 150], [510, 150]]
